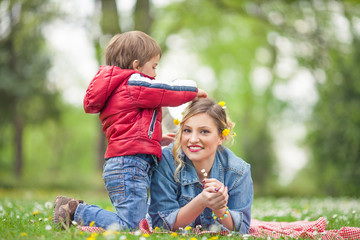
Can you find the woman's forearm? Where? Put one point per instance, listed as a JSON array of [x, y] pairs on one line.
[[189, 213], [227, 221]]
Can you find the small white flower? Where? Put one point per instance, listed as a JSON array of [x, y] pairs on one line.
[[113, 227], [246, 236], [142, 238], [137, 233], [74, 223], [204, 238], [48, 227], [123, 237], [214, 228], [48, 205], [203, 170]]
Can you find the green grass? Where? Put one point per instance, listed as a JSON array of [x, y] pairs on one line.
[[26, 214]]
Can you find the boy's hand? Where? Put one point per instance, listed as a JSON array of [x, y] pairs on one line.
[[201, 94], [167, 139]]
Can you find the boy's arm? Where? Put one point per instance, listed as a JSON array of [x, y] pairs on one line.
[[148, 93]]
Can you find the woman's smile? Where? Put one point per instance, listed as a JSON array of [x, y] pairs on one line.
[[195, 148]]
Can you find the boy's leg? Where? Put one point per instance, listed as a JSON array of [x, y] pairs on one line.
[[127, 181]]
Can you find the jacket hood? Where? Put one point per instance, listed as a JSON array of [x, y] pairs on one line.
[[107, 79]]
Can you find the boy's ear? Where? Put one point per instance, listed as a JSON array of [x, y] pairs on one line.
[[135, 64]]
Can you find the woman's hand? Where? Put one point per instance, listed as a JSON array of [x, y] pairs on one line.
[[215, 194]]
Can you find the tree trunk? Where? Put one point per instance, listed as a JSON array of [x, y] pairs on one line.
[[142, 17], [109, 25], [18, 126]]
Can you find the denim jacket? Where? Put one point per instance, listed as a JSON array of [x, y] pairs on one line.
[[168, 196]]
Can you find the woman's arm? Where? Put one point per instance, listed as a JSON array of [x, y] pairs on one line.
[[213, 196], [220, 209]]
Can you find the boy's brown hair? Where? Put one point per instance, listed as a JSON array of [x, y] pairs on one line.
[[123, 49]]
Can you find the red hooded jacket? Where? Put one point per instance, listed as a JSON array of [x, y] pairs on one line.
[[129, 104]]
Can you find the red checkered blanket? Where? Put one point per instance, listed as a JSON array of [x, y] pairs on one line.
[[276, 230]]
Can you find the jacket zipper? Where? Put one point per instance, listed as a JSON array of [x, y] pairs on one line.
[[152, 124]]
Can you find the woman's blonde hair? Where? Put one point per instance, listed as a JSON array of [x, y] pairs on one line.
[[215, 111], [123, 49]]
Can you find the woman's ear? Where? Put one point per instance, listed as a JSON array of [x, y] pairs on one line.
[[135, 64], [221, 140]]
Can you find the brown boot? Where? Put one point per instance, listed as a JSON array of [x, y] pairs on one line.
[[64, 210]]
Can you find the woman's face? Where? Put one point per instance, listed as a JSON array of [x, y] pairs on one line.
[[200, 138]]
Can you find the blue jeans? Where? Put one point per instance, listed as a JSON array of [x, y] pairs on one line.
[[127, 181]]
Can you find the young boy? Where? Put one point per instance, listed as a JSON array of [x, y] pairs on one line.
[[129, 101]]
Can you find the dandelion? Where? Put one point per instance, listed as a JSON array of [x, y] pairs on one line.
[[187, 228], [23, 234], [146, 235], [109, 234], [176, 121], [48, 205], [48, 227], [36, 212], [173, 234], [92, 224], [225, 132], [214, 238], [193, 238], [157, 229], [92, 236], [222, 104]]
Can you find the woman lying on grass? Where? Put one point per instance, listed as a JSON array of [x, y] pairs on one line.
[[198, 181]]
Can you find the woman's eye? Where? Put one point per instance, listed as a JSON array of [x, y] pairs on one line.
[[187, 130], [204, 131]]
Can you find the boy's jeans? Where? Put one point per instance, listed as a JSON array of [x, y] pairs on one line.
[[127, 181]]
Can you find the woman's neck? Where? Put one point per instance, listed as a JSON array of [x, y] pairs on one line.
[[206, 165]]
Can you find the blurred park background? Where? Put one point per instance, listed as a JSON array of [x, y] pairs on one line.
[[288, 71]]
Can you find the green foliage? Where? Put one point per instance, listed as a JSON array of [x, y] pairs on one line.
[[60, 154], [334, 127], [230, 37]]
